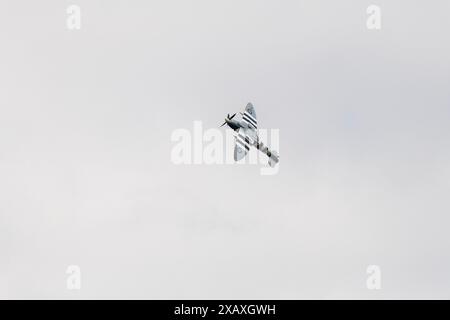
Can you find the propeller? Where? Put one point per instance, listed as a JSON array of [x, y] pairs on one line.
[[229, 118]]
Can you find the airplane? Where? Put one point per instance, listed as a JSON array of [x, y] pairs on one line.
[[247, 135]]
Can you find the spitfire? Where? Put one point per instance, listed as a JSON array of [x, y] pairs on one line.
[[247, 135]]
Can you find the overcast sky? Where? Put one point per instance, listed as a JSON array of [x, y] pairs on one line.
[[86, 177]]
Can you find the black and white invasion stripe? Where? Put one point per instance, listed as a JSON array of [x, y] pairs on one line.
[[243, 141], [250, 119]]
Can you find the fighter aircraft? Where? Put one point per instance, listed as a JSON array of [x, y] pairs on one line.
[[247, 135]]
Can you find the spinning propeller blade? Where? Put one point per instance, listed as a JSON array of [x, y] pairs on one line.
[[228, 118]]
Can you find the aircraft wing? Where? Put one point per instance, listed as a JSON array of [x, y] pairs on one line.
[[242, 145], [249, 116]]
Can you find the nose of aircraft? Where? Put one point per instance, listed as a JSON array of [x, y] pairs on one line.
[[228, 120]]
